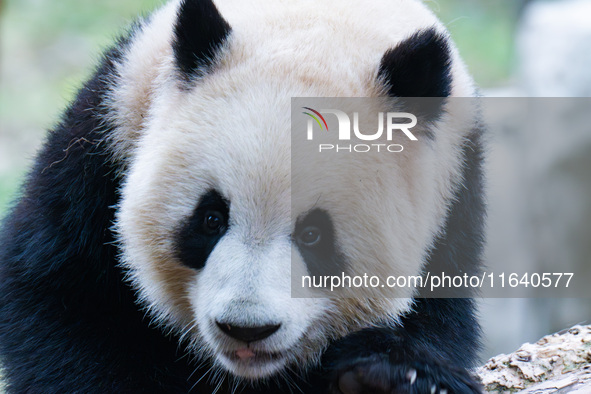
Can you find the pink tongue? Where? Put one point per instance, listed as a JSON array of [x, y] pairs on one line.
[[244, 354]]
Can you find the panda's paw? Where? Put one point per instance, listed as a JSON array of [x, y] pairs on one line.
[[377, 375]]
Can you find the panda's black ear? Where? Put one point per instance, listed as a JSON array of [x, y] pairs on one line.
[[418, 67], [199, 33]]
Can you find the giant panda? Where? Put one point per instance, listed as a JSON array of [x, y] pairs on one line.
[[151, 247]]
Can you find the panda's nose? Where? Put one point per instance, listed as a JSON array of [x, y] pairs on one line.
[[246, 333]]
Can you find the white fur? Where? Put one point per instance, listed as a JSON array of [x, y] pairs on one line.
[[231, 132]]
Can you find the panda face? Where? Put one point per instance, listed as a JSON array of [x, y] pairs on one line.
[[206, 223], [210, 235]]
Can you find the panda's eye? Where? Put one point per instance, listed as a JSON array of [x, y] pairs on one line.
[[315, 238], [213, 222], [310, 236], [200, 233]]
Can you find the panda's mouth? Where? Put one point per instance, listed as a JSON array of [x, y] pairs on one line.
[[252, 364], [252, 356]]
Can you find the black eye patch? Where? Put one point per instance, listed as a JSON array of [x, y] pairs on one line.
[[200, 233], [314, 236]]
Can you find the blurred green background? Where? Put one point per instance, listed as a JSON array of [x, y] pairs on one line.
[[47, 48]]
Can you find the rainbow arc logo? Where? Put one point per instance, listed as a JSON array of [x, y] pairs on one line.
[[318, 115]]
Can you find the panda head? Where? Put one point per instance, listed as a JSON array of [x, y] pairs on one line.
[[206, 226]]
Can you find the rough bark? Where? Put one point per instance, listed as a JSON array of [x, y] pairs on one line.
[[557, 363]]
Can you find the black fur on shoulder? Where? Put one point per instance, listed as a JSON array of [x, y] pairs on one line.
[[458, 250], [199, 33], [68, 321]]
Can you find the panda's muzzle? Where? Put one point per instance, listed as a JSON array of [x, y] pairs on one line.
[[248, 334]]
